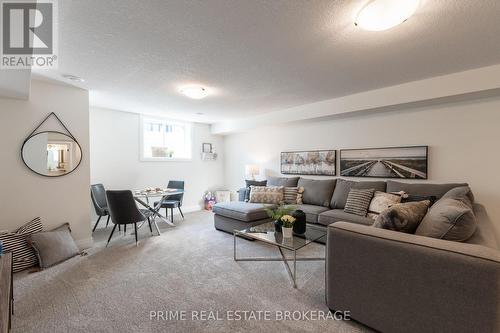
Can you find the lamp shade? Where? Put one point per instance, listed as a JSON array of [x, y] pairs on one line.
[[252, 170]]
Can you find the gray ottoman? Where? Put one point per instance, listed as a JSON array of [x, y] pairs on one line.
[[239, 215]]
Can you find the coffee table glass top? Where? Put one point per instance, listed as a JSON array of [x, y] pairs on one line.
[[266, 233]]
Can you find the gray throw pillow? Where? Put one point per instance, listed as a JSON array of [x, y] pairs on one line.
[[53, 247], [451, 217], [404, 217], [317, 192], [343, 187], [358, 201], [283, 181]]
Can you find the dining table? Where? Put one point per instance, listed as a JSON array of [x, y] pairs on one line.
[[143, 198]]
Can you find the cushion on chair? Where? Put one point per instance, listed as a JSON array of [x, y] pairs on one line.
[[169, 203], [22, 254]]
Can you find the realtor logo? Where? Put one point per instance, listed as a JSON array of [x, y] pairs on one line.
[[28, 34]]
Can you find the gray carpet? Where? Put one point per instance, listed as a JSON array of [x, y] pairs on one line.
[[188, 268]]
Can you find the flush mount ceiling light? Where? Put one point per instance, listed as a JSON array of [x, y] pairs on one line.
[[378, 15], [73, 78], [194, 92]]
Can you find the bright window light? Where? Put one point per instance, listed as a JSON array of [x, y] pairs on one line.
[[164, 140], [378, 15]]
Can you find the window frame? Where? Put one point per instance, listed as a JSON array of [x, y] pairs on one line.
[[163, 159]]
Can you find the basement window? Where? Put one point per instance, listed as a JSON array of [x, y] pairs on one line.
[[165, 140]]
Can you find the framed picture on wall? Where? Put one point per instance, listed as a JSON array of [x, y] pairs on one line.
[[316, 162], [206, 148], [391, 162]]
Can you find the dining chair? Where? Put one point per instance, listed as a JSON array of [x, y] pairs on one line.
[[98, 195], [123, 210], [173, 201]]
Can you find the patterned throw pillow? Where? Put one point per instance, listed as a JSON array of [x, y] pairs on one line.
[[269, 194], [403, 217], [358, 201], [380, 202], [22, 254], [293, 195], [250, 183]]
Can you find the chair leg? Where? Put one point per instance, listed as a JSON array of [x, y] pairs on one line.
[[111, 235], [150, 227], [135, 227], [180, 211], [97, 222], [107, 222], [119, 227], [125, 228], [172, 215]]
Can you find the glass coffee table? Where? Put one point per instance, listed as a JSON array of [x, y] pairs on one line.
[[265, 233]]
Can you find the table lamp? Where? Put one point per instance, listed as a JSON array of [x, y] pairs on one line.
[[252, 170]]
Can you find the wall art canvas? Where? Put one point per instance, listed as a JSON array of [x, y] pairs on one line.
[[397, 162], [318, 162]]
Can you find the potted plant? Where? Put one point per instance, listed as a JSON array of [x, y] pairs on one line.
[[276, 213], [287, 227]]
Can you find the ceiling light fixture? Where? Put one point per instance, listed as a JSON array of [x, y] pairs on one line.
[[194, 92], [73, 78], [378, 15]]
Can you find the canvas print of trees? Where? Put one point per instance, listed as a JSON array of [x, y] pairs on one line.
[[403, 162], [319, 162]]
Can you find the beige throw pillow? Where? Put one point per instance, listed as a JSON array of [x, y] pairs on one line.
[[293, 195], [380, 202], [266, 194]]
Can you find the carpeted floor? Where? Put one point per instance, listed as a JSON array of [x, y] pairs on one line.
[[187, 270]]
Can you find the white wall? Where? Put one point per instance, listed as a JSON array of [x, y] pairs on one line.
[[24, 194], [463, 138], [115, 158]]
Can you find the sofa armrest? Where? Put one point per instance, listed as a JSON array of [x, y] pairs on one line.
[[393, 281]]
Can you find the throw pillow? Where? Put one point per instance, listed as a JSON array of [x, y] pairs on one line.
[[293, 195], [269, 194], [23, 256], [358, 201], [413, 198], [253, 183], [404, 217], [53, 247], [343, 187], [381, 201], [451, 217]]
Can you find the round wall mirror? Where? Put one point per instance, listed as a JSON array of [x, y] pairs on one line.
[[51, 154]]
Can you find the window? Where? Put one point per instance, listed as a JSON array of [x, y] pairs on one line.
[[165, 140]]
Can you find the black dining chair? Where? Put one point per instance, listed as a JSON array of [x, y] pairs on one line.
[[123, 210], [173, 201], [98, 195]]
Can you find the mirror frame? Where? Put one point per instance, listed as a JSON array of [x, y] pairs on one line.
[[41, 174]]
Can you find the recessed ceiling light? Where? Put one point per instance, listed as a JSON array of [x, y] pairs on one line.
[[73, 78], [378, 15], [194, 92]]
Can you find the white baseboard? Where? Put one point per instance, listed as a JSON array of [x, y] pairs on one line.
[[188, 209], [84, 243]]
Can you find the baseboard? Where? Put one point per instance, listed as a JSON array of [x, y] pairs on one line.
[[187, 209], [84, 243]]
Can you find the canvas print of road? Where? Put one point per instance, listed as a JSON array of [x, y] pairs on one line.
[[320, 163], [404, 162]]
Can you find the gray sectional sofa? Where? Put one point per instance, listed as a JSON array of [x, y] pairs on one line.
[[388, 280]]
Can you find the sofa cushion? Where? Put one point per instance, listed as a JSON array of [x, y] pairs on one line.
[[242, 211], [282, 181], [450, 218], [312, 212], [437, 190], [380, 202], [253, 183], [317, 192], [343, 188], [266, 194], [403, 217], [358, 201], [337, 215], [293, 195]]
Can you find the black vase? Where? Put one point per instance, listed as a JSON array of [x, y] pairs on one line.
[[299, 226], [277, 225]]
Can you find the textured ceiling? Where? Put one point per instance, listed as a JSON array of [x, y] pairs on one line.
[[262, 55]]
